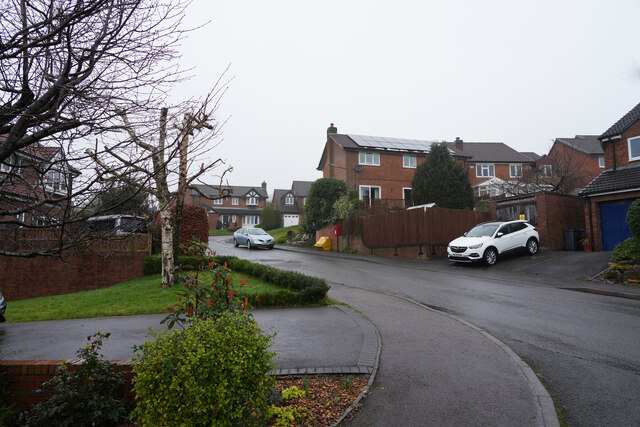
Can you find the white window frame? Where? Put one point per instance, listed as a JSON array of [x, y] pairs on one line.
[[545, 171], [252, 201], [20, 217], [403, 189], [515, 166], [234, 219], [289, 199], [55, 180], [361, 187], [217, 201], [488, 167], [250, 220], [5, 168], [409, 161], [235, 201], [601, 162], [368, 159], [636, 142], [304, 201]]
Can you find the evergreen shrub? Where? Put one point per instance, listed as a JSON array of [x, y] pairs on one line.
[[212, 373]]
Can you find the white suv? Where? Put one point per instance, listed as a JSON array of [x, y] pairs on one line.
[[486, 241]]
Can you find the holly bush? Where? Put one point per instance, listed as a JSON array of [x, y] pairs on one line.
[[91, 395], [212, 373]]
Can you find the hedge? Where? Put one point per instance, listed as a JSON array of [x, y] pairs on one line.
[[297, 288]]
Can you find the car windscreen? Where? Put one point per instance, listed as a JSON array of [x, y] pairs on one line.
[[257, 231], [133, 225], [482, 230]]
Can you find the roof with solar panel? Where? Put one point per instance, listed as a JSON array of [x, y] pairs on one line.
[[382, 143]]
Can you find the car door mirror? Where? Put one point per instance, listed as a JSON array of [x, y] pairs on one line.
[[500, 234], [465, 234]]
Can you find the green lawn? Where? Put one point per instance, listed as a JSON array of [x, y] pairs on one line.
[[220, 233], [140, 296]]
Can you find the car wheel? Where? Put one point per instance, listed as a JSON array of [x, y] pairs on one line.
[[490, 256], [532, 246], [248, 244], [235, 243]]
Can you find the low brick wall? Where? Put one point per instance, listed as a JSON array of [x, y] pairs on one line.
[[105, 264], [25, 377]]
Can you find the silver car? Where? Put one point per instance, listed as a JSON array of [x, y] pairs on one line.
[[253, 238], [3, 307]]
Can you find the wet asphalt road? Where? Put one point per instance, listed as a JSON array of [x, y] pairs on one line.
[[585, 347]]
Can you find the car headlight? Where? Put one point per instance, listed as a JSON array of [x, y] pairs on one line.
[[479, 245]]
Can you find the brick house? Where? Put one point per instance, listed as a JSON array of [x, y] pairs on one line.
[[610, 194], [494, 167], [291, 202], [575, 161], [242, 208], [383, 168], [35, 185]]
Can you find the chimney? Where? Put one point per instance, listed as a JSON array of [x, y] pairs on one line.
[[331, 129], [264, 185], [458, 143]]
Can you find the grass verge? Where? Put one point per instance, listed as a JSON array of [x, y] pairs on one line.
[[139, 296]]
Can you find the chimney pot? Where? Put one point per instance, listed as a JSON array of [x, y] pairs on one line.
[[264, 185], [458, 143], [332, 129]]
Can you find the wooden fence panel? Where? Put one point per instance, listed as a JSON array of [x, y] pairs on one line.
[[433, 226]]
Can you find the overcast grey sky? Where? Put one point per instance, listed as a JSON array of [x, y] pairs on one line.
[[511, 71]]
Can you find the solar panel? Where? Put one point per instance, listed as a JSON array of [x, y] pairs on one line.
[[391, 143]]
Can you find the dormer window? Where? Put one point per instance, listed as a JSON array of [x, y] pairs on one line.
[[252, 201], [288, 199], [634, 148], [56, 181]]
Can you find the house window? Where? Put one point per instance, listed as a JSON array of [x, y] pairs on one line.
[[217, 201], [369, 192], [409, 161], [371, 159], [250, 220], [304, 201], [515, 171], [484, 170], [288, 199], [252, 201], [20, 217], [235, 201], [601, 162], [234, 219], [5, 168], [55, 180], [545, 171], [634, 148]]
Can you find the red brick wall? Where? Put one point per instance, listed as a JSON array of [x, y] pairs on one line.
[[24, 377], [584, 167], [621, 147], [109, 263], [558, 212], [592, 216]]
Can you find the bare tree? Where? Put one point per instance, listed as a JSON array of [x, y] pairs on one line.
[[67, 68], [172, 156]]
